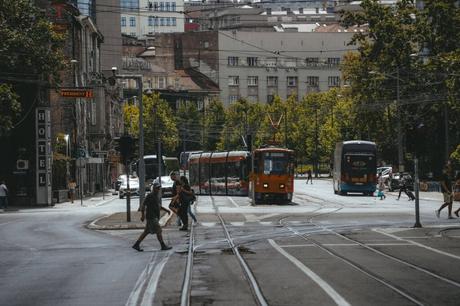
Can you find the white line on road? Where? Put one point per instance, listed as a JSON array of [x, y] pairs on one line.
[[416, 243], [342, 244], [338, 299], [233, 202], [147, 283]]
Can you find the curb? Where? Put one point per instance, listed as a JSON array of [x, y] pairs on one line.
[[129, 226]]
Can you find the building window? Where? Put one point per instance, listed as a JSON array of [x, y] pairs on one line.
[[151, 19], [162, 6], [156, 21], [233, 60], [173, 6], [270, 98], [232, 98], [173, 19], [333, 81], [251, 61], [271, 62], [233, 80], [133, 34], [313, 81], [150, 5], [253, 81], [333, 61], [272, 81], [168, 21], [123, 21], [155, 6], [162, 21], [161, 82], [312, 61], [132, 21], [291, 81]]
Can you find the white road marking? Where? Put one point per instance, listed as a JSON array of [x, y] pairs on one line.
[[233, 202], [338, 299], [343, 244], [416, 243], [237, 223], [208, 224], [147, 283]]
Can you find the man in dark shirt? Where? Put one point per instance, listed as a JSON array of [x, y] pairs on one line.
[[446, 189], [150, 210]]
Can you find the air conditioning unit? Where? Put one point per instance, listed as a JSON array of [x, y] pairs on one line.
[[22, 164]]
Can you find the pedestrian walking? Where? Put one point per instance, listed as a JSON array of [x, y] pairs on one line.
[[150, 211], [446, 189], [72, 186], [381, 187], [309, 176], [403, 187], [175, 178], [3, 195], [457, 193], [190, 195]]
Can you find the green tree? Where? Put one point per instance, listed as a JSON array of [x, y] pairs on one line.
[[214, 122], [158, 122], [190, 124], [30, 52], [10, 108], [241, 118]]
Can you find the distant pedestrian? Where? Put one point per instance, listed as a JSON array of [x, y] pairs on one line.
[[3, 195], [150, 211], [72, 187], [381, 187], [446, 189], [309, 177], [189, 195]]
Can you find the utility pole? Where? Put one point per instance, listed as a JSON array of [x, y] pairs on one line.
[[316, 142], [399, 125], [446, 133], [140, 91]]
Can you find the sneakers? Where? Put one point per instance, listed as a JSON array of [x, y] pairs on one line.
[[437, 213], [183, 229], [137, 247], [450, 217], [165, 248]]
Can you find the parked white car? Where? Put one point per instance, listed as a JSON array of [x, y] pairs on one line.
[[133, 187], [166, 185]]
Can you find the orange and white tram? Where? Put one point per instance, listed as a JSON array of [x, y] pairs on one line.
[[273, 176]]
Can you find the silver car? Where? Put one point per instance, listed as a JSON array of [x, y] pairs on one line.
[[133, 187]]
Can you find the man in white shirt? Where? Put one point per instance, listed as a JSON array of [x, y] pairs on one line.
[[3, 195]]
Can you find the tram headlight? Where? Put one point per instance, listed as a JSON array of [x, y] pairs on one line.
[[282, 186], [265, 185]]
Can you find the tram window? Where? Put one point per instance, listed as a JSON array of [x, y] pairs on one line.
[[275, 163]]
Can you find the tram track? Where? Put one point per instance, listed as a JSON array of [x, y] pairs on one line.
[[402, 292], [248, 274]]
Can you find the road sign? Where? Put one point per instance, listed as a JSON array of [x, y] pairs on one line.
[[76, 92]]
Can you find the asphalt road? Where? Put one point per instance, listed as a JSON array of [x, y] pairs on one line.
[[324, 249]]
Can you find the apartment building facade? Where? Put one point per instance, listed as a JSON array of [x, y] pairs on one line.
[[144, 18]]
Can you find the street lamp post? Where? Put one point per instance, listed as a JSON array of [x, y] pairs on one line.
[[138, 79]]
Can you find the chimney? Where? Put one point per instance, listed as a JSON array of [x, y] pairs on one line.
[[301, 10], [269, 11], [317, 10]]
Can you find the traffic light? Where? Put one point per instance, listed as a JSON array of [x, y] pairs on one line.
[[126, 147]]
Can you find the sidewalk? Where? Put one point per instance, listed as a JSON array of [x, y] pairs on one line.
[[117, 221]]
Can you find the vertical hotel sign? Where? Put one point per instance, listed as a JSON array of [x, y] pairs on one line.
[[43, 145]]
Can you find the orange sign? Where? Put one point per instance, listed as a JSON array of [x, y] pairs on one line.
[[76, 93]]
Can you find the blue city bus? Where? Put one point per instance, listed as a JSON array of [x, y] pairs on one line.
[[355, 167]]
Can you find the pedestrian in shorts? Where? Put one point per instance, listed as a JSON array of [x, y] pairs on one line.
[[3, 195], [446, 189], [150, 211]]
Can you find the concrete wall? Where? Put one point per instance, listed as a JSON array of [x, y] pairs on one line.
[[289, 50]]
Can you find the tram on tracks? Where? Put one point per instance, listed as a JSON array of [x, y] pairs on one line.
[[273, 176], [229, 173], [220, 173]]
